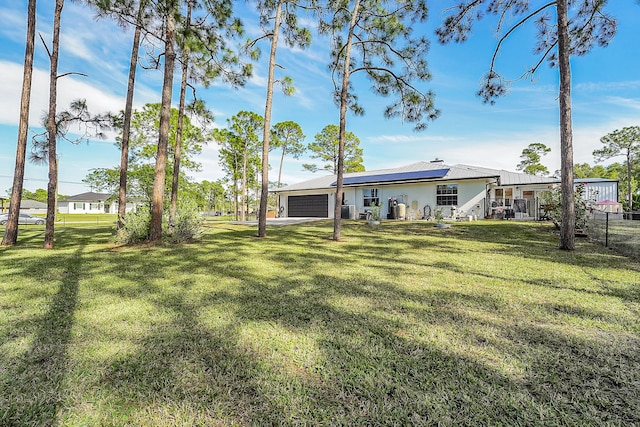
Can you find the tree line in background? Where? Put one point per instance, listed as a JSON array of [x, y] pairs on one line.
[[203, 39], [239, 158]]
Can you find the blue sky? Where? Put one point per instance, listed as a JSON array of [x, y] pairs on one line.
[[606, 96]]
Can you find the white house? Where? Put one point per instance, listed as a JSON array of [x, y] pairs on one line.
[[87, 203], [92, 203], [415, 191]]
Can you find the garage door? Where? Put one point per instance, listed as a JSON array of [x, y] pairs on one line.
[[316, 205]]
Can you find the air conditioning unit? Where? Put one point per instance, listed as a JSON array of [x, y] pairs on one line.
[[348, 212]]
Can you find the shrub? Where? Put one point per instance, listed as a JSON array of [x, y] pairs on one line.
[[439, 216], [135, 227], [187, 224], [376, 211], [186, 228], [551, 203]]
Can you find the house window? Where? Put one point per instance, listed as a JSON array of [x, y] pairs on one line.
[[504, 196], [94, 206], [370, 196], [447, 195], [78, 206]]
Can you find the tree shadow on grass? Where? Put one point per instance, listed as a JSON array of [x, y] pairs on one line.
[[365, 365], [225, 374], [375, 367], [536, 241], [363, 350], [31, 390], [590, 377], [307, 345]]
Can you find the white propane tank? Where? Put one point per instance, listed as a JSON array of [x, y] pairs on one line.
[[402, 211]]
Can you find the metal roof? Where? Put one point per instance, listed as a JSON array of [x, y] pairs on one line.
[[394, 177], [422, 172], [513, 178], [593, 180]]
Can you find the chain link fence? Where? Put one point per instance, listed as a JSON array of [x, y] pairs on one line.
[[620, 232]]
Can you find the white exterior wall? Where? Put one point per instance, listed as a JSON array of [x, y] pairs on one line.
[[70, 208], [85, 207], [130, 207], [600, 191], [471, 197], [417, 196], [351, 196], [63, 207], [32, 210]]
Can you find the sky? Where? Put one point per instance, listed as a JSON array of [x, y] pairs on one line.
[[605, 96]]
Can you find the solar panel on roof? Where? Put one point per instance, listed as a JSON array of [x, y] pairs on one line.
[[393, 177]]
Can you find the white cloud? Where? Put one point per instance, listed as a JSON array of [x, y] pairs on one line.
[[69, 89], [494, 150], [404, 139], [619, 101], [14, 24], [75, 45], [608, 86], [258, 80], [209, 159], [300, 96]]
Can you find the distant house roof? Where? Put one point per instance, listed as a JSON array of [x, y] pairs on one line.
[[88, 197], [32, 204], [421, 172]]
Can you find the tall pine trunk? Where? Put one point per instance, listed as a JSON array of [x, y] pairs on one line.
[[173, 207], [52, 187], [284, 149], [235, 199], [126, 127], [11, 232], [567, 228], [155, 232], [243, 189], [264, 192], [629, 192], [343, 123]]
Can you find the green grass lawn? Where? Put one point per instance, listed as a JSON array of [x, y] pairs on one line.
[[96, 219], [64, 219], [485, 323]]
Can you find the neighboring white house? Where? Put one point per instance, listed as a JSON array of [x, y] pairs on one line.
[[87, 203], [415, 191], [92, 203]]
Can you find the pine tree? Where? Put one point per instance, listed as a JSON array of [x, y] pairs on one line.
[[557, 40]]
